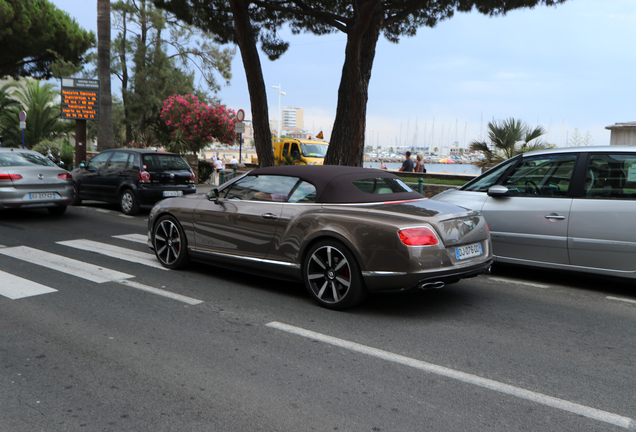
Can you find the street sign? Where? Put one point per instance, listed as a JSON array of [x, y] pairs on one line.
[[80, 99], [22, 125], [22, 116], [240, 115], [239, 127]]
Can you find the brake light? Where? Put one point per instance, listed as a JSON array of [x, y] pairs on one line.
[[418, 237], [65, 176], [10, 177], [191, 177], [144, 177]]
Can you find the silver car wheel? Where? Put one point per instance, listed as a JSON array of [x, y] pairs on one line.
[[169, 243], [128, 203], [332, 276]]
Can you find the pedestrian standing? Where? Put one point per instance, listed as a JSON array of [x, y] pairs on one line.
[[407, 165], [419, 165]]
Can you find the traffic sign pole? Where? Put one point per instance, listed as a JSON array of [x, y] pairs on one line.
[[23, 117]]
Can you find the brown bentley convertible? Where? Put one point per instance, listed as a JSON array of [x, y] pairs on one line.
[[344, 231]]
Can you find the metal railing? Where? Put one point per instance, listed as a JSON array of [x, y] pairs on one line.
[[223, 177]]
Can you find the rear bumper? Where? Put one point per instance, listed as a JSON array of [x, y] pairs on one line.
[[149, 195]]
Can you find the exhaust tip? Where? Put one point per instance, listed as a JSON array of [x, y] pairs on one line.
[[432, 285]]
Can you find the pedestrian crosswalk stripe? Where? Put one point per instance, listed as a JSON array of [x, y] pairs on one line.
[[115, 252], [15, 287], [136, 238], [65, 265], [164, 293]]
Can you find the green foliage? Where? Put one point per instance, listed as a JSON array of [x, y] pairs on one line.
[[61, 150], [506, 139], [206, 169], [35, 36], [43, 115]]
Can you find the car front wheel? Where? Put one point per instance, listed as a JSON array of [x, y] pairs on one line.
[[76, 198], [128, 203], [332, 276], [170, 243]]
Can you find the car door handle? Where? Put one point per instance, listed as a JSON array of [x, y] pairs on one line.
[[269, 216], [554, 217]]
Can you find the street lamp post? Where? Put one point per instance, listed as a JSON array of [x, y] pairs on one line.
[[279, 112]]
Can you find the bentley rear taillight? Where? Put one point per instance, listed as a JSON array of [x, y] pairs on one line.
[[421, 236]]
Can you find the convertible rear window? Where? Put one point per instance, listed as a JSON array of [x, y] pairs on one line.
[[23, 159], [382, 185]]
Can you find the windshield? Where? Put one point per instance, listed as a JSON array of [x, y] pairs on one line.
[[17, 158], [314, 150]]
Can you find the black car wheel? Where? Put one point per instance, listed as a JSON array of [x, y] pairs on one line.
[[170, 243], [332, 275], [76, 198], [57, 210], [128, 203]]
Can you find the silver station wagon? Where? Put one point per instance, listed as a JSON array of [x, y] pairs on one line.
[[567, 208]]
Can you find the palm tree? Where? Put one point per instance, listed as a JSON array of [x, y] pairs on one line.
[[43, 115], [507, 139], [6, 102]]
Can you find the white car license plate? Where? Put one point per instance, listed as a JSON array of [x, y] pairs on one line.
[[468, 251], [172, 193], [42, 196]]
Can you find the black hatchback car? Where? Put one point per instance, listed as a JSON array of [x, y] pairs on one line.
[[132, 177]]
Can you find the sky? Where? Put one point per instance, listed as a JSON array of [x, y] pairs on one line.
[[568, 69]]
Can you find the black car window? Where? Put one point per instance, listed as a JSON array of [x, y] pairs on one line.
[[303, 193], [119, 160], [547, 176], [167, 162], [382, 185], [488, 179], [99, 161], [262, 188], [611, 176], [18, 158]]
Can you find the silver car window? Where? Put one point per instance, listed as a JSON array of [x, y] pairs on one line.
[[611, 176], [18, 158], [490, 178], [546, 176], [304, 193]]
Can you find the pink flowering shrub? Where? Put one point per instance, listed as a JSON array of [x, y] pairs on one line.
[[197, 122]]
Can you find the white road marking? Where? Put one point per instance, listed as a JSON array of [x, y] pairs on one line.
[[65, 265], [136, 238], [115, 252], [15, 287], [621, 299], [516, 282], [179, 297], [593, 413]]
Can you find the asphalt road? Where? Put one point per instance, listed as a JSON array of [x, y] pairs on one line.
[[126, 346]]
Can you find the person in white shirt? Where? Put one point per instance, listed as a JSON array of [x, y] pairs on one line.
[[233, 160], [218, 166]]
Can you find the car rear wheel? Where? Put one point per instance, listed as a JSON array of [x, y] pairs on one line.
[[170, 243], [57, 210], [332, 276], [128, 203]]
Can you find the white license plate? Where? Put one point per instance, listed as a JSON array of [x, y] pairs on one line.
[[172, 193], [468, 251], [42, 196]]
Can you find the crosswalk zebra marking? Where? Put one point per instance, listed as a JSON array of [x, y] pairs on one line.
[[64, 265], [15, 287], [136, 238], [115, 252], [179, 297]]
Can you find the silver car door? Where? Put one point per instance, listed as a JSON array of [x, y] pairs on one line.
[[531, 223], [601, 231]]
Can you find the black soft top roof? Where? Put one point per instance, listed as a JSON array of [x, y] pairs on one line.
[[333, 183]]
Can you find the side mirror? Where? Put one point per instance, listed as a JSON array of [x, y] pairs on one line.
[[82, 164], [214, 195], [498, 191]]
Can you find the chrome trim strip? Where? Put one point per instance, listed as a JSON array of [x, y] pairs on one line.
[[383, 273], [238, 257]]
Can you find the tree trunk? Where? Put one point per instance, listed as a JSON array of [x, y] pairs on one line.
[[255, 83], [347, 137], [124, 79], [105, 124]]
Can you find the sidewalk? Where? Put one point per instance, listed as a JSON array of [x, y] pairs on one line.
[[205, 188]]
